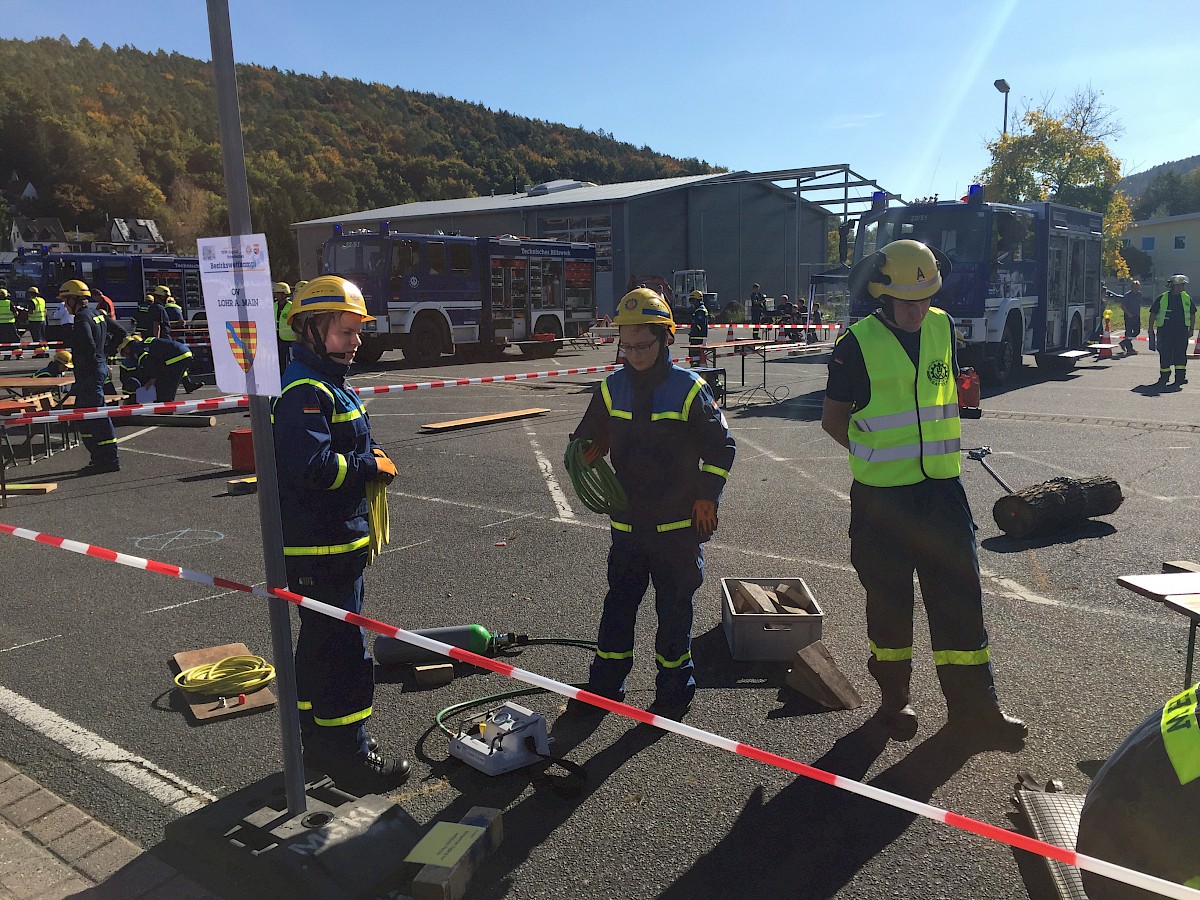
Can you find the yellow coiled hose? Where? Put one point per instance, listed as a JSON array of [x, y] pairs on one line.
[[227, 677]]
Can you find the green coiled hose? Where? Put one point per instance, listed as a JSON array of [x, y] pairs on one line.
[[595, 484]]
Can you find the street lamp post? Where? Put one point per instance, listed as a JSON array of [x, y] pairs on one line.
[[1002, 87]]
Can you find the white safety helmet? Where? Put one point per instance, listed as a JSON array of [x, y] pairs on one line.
[[1177, 279]]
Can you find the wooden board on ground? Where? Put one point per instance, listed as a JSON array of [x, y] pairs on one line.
[[183, 420], [815, 675], [434, 675], [32, 487], [247, 485], [202, 706], [1180, 565], [485, 420]]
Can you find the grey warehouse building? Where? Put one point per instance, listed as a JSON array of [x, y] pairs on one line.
[[740, 227]]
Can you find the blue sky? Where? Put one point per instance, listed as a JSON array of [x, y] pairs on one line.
[[902, 92]]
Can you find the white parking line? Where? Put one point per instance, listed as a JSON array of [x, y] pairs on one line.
[[565, 513], [165, 787], [140, 431], [774, 457], [30, 643]]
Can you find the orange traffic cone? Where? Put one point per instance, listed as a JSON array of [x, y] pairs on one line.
[[1105, 349]]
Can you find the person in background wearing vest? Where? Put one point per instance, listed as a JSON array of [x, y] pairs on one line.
[[8, 320], [1131, 308], [1172, 321], [1142, 810], [92, 332], [699, 330], [672, 452], [892, 401], [285, 337], [37, 321], [327, 463], [173, 310]]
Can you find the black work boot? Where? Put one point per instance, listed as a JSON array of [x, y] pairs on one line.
[[581, 709], [973, 711], [895, 714], [360, 775], [1163, 379], [1180, 376]]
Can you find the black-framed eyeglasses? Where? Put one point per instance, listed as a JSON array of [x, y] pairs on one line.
[[636, 348]]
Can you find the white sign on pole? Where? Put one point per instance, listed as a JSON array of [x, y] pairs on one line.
[[235, 273]]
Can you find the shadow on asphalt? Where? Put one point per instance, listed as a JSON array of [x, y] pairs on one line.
[[1087, 530], [821, 836]]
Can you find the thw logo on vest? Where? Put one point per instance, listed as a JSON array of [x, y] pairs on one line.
[[938, 372], [243, 341]]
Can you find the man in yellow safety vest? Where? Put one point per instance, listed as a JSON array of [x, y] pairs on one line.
[[892, 401]]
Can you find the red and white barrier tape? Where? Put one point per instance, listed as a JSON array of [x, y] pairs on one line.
[[31, 345], [188, 406], [954, 820]]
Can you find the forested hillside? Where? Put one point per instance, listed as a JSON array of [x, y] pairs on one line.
[[124, 133], [1135, 185]]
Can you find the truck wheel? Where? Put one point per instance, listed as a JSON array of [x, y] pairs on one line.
[[370, 351], [548, 325], [1008, 358], [424, 346]]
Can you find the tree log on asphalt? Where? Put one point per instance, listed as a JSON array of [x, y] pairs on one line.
[[1055, 504]]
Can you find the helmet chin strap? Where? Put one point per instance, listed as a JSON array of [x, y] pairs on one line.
[[314, 335]]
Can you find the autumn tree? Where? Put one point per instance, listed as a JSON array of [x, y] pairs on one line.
[[1063, 156]]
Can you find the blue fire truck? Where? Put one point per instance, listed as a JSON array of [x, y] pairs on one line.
[[125, 278], [434, 294], [1025, 279]]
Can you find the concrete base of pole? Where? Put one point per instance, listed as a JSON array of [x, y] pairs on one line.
[[342, 846]]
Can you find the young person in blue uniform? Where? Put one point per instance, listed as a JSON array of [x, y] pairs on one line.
[[672, 452], [892, 401], [326, 458], [698, 333], [160, 363], [90, 336]]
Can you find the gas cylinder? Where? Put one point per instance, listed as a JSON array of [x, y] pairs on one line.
[[394, 652], [968, 393]]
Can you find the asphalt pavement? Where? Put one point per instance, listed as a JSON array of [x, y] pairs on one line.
[[485, 529]]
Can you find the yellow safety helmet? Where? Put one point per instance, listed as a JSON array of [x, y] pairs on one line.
[[281, 287], [162, 291], [33, 289], [3, 294], [124, 345], [1177, 279], [63, 357], [903, 270], [329, 293], [299, 285], [74, 288], [644, 307], [696, 295]]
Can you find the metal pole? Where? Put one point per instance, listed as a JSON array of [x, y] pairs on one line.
[[1006, 112], [230, 121]]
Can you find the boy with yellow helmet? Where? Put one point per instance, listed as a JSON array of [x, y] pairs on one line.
[[671, 451], [891, 400], [327, 458]]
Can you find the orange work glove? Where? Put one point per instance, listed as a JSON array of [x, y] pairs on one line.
[[592, 452], [387, 468], [704, 514]]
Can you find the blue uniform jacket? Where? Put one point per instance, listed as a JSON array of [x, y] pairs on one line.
[[323, 449], [152, 358], [92, 332], [670, 444], [699, 321]]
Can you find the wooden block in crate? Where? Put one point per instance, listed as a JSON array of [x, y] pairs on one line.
[[756, 598], [435, 675], [793, 596]]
